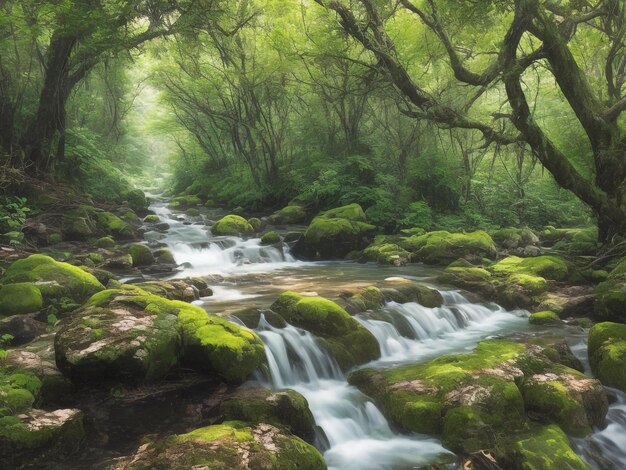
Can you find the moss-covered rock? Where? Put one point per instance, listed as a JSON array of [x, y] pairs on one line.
[[288, 215], [184, 202], [136, 199], [152, 219], [270, 238], [472, 279], [256, 223], [111, 224], [285, 408], [610, 301], [141, 255], [22, 297], [573, 241], [105, 242], [164, 256], [548, 267], [232, 225], [293, 236], [511, 237], [54, 279], [232, 445], [387, 253], [124, 262], [444, 247], [131, 335], [348, 341], [76, 229], [544, 448], [475, 401], [546, 317], [335, 233], [185, 290], [607, 353]]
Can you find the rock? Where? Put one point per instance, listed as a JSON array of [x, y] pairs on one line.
[[184, 202], [285, 408], [232, 225], [387, 254], [475, 400], [288, 216], [38, 437], [270, 238], [140, 254], [192, 212], [232, 445], [548, 267], [19, 298], [404, 290], [444, 247], [54, 238], [348, 341], [176, 289], [251, 317], [76, 229], [610, 301], [570, 301], [370, 298], [511, 238], [573, 241], [293, 237], [111, 224], [105, 242], [607, 353], [120, 262], [152, 219], [472, 279], [164, 256], [54, 279], [136, 200], [22, 328], [131, 335], [335, 233], [544, 318], [256, 223]]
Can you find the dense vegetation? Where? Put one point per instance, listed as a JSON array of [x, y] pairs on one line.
[[488, 114]]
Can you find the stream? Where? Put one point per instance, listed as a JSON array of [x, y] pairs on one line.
[[353, 433]]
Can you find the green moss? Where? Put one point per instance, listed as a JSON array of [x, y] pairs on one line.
[[546, 449], [113, 225], [288, 215], [610, 301], [332, 238], [105, 242], [152, 218], [547, 317], [232, 225], [256, 224], [549, 267], [15, 399], [534, 285], [165, 256], [183, 202], [55, 238], [270, 238], [607, 353], [19, 298], [136, 199], [443, 247], [76, 228], [511, 237], [387, 253], [141, 255], [53, 278]]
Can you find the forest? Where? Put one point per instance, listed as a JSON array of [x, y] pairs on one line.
[[309, 234]]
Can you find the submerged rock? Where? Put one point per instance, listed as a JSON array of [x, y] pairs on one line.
[[348, 341], [233, 445]]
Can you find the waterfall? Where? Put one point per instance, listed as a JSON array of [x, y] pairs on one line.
[[358, 435]]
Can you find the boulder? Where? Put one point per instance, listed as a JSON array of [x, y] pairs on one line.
[[54, 279], [111, 224], [136, 200], [444, 247], [177, 289], [348, 341], [232, 445], [472, 279], [141, 255], [232, 225], [610, 301], [548, 267], [270, 238], [105, 242], [184, 202], [19, 298], [288, 215], [607, 353], [546, 317], [511, 237], [387, 254]]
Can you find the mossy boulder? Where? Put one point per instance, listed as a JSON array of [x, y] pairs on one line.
[[475, 401], [164, 256], [186, 290], [184, 202], [573, 241], [546, 317], [293, 237], [111, 224], [335, 233], [370, 298], [544, 448], [348, 341], [511, 237], [548, 267], [610, 301], [387, 254], [141, 255], [607, 353], [404, 290], [54, 279], [123, 262], [76, 229], [288, 215], [152, 219], [284, 408], [473, 279], [131, 335], [19, 298], [270, 238], [136, 200], [232, 225], [256, 223], [105, 242], [223, 447], [443, 247]]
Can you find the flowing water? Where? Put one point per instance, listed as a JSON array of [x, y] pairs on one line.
[[353, 434]]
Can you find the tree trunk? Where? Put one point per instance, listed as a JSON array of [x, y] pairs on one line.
[[48, 123]]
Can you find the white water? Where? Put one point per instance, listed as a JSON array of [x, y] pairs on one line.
[[359, 437]]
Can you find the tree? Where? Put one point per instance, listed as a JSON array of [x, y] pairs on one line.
[[539, 34]]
